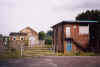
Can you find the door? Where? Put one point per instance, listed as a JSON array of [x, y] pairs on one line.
[[31, 41], [69, 46]]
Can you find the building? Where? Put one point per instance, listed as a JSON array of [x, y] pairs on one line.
[[32, 36], [17, 40], [26, 36], [71, 36]]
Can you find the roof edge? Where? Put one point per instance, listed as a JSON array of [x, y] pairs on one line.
[[75, 22]]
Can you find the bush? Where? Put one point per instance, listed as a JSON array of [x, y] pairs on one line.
[[48, 41]]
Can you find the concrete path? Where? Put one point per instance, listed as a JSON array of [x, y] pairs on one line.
[[53, 61]]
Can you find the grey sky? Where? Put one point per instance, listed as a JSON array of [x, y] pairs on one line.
[[40, 14]]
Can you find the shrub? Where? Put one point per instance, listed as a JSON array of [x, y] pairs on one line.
[[48, 41]]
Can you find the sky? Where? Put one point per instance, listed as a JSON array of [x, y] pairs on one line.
[[40, 14]]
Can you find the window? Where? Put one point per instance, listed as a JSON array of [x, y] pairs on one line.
[[68, 31], [74, 26], [83, 29], [21, 38], [14, 38]]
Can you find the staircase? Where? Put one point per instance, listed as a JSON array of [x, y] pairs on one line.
[[78, 45], [38, 51]]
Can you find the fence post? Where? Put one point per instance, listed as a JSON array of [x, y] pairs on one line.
[[21, 50]]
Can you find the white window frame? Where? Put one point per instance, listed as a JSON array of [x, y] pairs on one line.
[[68, 31]]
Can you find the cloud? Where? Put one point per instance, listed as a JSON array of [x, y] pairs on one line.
[[93, 4], [67, 5]]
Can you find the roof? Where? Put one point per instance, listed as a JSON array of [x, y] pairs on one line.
[[29, 29], [75, 22], [17, 34]]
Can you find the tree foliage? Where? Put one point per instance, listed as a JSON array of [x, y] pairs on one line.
[[93, 15], [48, 39], [49, 33], [46, 36], [42, 35]]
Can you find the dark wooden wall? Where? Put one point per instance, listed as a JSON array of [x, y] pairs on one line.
[[95, 37], [58, 38]]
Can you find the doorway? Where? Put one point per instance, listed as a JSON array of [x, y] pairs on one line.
[[69, 46], [31, 41]]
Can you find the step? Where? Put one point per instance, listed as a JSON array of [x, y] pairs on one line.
[[37, 51], [36, 48], [30, 55], [28, 52]]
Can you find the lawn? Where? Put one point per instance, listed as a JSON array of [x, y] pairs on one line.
[[10, 53], [76, 54]]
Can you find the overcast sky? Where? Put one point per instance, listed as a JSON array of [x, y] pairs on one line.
[[40, 14]]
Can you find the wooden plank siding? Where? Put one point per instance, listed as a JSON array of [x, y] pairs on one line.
[[58, 38]]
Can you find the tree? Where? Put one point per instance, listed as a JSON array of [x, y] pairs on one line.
[[1, 37], [46, 36], [42, 35], [49, 33], [48, 39], [93, 15]]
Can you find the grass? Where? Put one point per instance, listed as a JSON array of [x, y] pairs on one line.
[[71, 53], [76, 54], [87, 54], [48, 46], [10, 54]]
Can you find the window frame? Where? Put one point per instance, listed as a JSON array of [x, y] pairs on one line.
[[22, 38], [14, 38]]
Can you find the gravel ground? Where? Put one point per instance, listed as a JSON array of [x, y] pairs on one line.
[[53, 61]]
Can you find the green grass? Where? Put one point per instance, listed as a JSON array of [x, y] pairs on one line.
[[48, 46], [10, 54], [76, 54], [87, 54]]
